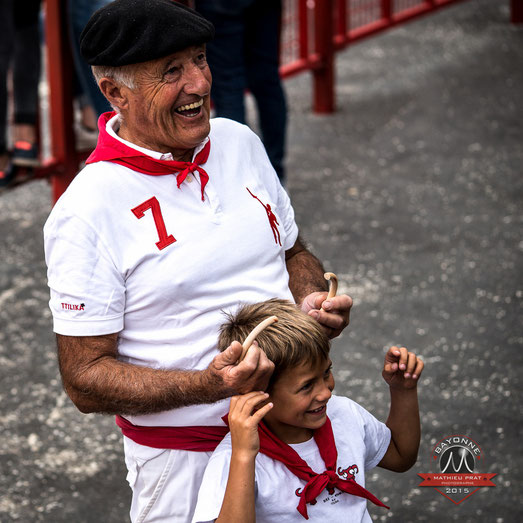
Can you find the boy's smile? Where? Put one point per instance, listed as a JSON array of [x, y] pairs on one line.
[[300, 397]]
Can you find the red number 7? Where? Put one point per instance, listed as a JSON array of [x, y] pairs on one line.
[[154, 205]]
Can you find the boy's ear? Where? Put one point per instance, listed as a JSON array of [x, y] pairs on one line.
[[115, 94]]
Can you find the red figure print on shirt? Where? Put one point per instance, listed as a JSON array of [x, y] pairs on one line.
[[273, 222], [349, 472]]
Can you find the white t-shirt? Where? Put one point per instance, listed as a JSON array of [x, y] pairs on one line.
[[361, 441], [107, 274]]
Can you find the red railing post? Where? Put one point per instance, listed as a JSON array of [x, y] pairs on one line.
[[516, 8], [386, 10], [340, 22], [303, 30], [59, 76], [323, 72]]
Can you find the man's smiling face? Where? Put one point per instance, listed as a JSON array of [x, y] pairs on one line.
[[169, 109]]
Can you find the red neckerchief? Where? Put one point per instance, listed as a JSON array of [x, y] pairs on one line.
[[110, 149], [276, 449]]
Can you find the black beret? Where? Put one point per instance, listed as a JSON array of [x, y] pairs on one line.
[[127, 32]]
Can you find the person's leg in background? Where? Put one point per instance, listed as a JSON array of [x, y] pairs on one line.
[[79, 13], [6, 46], [262, 39], [225, 55], [26, 77]]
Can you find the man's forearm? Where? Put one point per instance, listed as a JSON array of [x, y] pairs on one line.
[[115, 387], [305, 272], [105, 384]]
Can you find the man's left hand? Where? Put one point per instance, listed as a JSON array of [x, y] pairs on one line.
[[332, 314]]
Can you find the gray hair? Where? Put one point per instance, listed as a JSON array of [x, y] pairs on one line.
[[123, 75]]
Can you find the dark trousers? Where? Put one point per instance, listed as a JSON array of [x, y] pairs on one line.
[[79, 13], [19, 49], [245, 55]]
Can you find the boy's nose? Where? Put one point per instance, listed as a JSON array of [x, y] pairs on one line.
[[325, 393]]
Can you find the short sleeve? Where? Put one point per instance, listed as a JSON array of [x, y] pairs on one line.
[[214, 483], [376, 437], [274, 186], [286, 212], [87, 291]]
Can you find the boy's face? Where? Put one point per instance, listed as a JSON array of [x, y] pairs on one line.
[[300, 397]]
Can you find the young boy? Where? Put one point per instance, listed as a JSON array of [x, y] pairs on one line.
[[308, 457]]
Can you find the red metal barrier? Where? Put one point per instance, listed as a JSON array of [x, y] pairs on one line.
[[64, 161], [327, 26], [516, 8]]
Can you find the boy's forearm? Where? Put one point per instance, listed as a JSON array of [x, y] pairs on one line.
[[404, 424], [238, 501]]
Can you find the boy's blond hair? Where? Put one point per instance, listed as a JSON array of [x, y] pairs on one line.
[[294, 340]]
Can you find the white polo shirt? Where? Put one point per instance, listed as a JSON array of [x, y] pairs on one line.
[[107, 274]]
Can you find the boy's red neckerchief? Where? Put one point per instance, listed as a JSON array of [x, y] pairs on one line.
[[110, 149], [276, 449]]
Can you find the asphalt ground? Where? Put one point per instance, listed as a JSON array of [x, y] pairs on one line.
[[411, 193]]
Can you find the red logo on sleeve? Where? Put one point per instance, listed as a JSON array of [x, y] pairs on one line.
[[73, 306], [273, 222]]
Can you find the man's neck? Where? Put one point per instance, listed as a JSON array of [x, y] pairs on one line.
[[179, 155]]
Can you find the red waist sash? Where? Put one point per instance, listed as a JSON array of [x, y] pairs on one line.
[[199, 439]]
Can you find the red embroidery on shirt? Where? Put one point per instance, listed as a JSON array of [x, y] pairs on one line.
[[153, 204], [349, 472], [273, 222]]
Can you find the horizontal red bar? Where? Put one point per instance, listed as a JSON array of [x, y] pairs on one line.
[[301, 65], [457, 480]]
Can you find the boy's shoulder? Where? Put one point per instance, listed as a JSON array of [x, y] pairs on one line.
[[347, 415], [341, 405]]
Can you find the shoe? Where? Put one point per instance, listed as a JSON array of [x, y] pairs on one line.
[[7, 176], [25, 154]]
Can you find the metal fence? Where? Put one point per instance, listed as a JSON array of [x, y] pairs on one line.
[[313, 30]]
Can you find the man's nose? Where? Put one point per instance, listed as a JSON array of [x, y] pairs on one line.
[[197, 81]]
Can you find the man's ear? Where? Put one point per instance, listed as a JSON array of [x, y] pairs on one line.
[[116, 94]]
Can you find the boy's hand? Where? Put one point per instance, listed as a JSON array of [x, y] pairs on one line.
[[401, 369], [243, 422]]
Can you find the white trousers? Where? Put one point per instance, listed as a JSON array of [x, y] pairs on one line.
[[165, 483]]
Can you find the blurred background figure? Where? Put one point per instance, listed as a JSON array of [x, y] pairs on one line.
[[20, 56], [90, 102], [245, 55]]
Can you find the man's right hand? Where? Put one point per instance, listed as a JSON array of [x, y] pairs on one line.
[[252, 373]]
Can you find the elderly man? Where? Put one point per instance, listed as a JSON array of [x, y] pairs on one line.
[[174, 219]]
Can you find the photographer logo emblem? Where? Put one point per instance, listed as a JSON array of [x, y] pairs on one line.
[[458, 460]]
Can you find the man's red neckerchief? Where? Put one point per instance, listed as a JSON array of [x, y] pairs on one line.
[[110, 149]]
